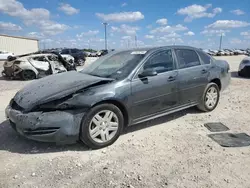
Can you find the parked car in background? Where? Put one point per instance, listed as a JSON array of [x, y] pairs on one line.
[[69, 58], [244, 67], [115, 91], [79, 55], [93, 54], [4, 55], [229, 52], [102, 52], [221, 53], [213, 52], [35, 66]]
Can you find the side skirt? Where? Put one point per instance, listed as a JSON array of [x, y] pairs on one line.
[[176, 109]]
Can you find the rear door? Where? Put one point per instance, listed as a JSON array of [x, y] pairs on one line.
[[192, 77]]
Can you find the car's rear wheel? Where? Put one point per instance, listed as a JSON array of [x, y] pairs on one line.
[[210, 98], [28, 75], [102, 126]]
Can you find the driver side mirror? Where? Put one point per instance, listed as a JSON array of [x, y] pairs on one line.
[[147, 73]]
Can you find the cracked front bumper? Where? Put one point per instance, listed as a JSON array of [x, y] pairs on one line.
[[57, 126]]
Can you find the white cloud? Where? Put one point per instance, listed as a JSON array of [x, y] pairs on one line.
[[237, 12], [129, 30], [7, 26], [190, 33], [36, 35], [198, 11], [126, 38], [124, 4], [68, 9], [88, 33], [39, 17], [226, 24], [162, 21], [149, 36], [170, 40], [235, 41], [169, 29], [212, 32], [170, 35], [121, 16], [246, 33]]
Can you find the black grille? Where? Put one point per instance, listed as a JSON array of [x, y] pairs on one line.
[[15, 106], [41, 130]]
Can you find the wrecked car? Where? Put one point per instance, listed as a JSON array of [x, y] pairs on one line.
[[32, 66], [120, 89]]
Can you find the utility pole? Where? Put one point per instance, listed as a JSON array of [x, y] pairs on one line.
[[220, 41], [105, 30], [135, 41]]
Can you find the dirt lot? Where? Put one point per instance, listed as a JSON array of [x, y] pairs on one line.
[[172, 151]]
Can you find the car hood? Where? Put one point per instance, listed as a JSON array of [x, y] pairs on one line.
[[54, 87]]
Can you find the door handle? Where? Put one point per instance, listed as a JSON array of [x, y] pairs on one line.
[[171, 78], [204, 71]]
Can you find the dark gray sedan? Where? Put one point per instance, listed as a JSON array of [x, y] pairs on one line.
[[120, 89]]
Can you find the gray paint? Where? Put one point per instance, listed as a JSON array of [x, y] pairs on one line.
[[142, 98]]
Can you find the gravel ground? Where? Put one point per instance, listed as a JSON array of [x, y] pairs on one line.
[[172, 151]]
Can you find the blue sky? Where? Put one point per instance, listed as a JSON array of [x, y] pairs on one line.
[[78, 23]]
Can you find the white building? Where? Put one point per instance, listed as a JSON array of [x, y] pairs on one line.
[[18, 45]]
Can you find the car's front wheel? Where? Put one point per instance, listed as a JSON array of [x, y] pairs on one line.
[[28, 75], [102, 126], [210, 98]]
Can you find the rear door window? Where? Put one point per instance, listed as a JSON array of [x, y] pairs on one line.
[[187, 58], [204, 57]]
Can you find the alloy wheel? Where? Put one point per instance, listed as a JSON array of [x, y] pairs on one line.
[[211, 97], [103, 126]]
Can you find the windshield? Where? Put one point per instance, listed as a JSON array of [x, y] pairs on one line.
[[117, 65]]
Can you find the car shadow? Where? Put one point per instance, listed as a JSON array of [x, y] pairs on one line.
[[234, 74], [15, 143]]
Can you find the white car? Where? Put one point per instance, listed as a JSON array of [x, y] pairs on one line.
[[68, 58], [4, 55], [36, 66]]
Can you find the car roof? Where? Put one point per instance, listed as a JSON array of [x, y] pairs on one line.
[[36, 55], [152, 49]]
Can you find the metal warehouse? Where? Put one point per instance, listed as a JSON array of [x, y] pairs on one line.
[[18, 45]]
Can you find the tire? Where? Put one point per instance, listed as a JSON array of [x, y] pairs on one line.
[[240, 74], [87, 124], [28, 75], [203, 106], [80, 62]]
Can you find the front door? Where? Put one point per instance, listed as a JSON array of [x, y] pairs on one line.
[[193, 76], [153, 94]]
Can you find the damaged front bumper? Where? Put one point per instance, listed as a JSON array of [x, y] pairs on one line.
[[61, 127]]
